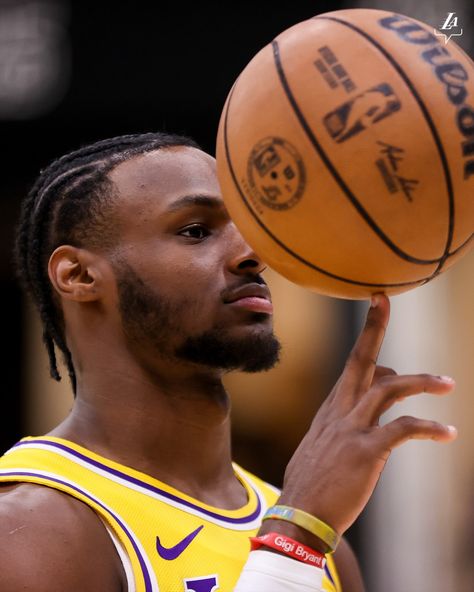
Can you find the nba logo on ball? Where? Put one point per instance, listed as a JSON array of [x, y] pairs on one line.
[[345, 153], [365, 109]]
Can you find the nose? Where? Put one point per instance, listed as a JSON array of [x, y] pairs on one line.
[[242, 258]]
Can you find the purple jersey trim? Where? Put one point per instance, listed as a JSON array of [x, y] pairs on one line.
[[250, 518], [146, 575], [329, 575]]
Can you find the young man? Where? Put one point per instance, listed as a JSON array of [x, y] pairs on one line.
[[147, 288]]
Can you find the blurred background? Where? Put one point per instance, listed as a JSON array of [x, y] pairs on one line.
[[74, 72]]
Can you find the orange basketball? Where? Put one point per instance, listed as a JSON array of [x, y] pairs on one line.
[[345, 153]]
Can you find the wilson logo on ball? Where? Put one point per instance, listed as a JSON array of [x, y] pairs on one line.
[[449, 72], [364, 110]]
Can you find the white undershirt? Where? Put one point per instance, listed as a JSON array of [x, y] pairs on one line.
[[272, 572]]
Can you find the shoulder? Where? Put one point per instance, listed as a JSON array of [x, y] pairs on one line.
[[52, 542]]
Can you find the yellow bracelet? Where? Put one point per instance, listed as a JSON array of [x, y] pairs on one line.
[[310, 523]]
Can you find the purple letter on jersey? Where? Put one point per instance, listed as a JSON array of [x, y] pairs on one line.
[[205, 584]]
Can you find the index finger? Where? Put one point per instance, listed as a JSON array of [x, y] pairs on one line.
[[362, 361]]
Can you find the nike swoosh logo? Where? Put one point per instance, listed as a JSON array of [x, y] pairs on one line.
[[170, 553]]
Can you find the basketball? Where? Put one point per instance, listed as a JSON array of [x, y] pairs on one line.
[[345, 153]]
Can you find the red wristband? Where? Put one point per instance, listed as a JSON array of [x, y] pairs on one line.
[[289, 547]]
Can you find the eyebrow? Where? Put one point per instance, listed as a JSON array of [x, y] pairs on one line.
[[196, 200]]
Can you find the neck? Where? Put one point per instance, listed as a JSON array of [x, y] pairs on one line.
[[174, 426]]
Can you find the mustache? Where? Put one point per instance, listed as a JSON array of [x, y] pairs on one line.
[[245, 281]]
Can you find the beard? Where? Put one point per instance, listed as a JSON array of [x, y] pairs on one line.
[[214, 348], [148, 317]]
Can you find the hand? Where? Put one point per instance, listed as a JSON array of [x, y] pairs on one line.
[[338, 463]]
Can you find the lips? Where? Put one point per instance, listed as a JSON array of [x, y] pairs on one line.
[[253, 297]]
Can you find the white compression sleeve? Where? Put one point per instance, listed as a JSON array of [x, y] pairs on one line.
[[272, 572]]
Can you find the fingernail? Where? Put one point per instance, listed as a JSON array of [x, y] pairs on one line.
[[447, 379], [452, 429], [374, 301]]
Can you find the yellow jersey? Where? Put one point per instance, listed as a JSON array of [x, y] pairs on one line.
[[167, 540]]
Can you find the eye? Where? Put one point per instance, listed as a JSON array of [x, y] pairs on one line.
[[195, 231]]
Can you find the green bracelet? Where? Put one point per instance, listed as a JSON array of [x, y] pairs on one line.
[[310, 523]]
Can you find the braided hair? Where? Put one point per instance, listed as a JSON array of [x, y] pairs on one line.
[[70, 203]]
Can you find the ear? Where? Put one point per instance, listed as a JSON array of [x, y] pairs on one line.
[[76, 274]]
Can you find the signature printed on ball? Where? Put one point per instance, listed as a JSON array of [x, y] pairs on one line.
[[276, 173], [389, 163]]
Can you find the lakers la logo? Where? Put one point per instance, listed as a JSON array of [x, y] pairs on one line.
[[450, 28]]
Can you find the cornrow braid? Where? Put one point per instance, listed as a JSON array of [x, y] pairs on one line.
[[68, 204]]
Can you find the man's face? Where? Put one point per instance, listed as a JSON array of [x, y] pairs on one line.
[[188, 285]]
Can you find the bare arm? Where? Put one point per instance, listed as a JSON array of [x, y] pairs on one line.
[[339, 461], [348, 568], [336, 467], [50, 542]]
